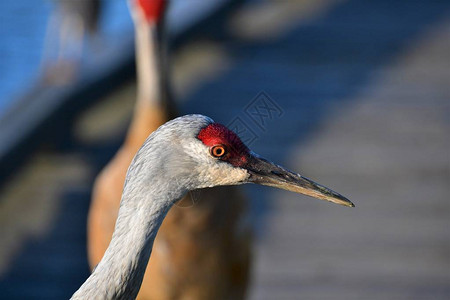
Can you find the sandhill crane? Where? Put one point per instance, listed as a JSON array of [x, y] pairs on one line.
[[67, 28], [201, 252], [187, 153]]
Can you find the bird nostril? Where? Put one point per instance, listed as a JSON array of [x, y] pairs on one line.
[[282, 175], [277, 173]]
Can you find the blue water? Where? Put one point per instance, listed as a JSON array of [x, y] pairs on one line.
[[23, 25], [22, 30]]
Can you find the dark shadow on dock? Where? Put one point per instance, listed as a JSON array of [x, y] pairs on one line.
[[55, 266]]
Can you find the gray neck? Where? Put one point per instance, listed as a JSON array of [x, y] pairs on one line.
[[147, 64], [159, 175], [144, 205]]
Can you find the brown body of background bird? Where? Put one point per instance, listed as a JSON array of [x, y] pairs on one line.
[[203, 248]]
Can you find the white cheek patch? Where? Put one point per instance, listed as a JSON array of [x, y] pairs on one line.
[[225, 174], [211, 171]]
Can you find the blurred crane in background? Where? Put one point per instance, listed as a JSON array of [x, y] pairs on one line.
[[201, 252], [185, 154], [70, 23]]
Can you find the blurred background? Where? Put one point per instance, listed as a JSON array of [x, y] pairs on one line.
[[354, 94]]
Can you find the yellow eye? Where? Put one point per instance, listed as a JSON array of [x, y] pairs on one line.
[[218, 151]]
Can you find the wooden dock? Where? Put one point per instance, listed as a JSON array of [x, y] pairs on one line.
[[356, 95]]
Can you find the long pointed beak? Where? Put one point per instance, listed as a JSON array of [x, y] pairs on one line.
[[267, 173]]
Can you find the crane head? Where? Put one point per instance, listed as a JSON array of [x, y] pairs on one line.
[[210, 154], [149, 10]]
